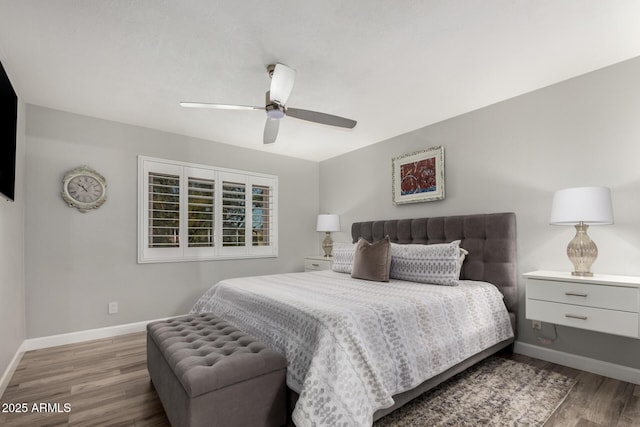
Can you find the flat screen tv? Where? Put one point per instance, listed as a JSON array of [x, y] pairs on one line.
[[8, 126]]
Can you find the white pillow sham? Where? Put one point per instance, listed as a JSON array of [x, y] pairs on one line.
[[343, 255], [437, 264]]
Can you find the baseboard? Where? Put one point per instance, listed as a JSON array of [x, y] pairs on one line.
[[87, 335], [13, 365], [607, 369]]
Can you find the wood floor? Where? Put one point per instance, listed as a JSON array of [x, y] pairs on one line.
[[105, 383]]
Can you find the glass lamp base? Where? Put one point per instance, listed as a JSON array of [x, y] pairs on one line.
[[582, 251], [327, 244]]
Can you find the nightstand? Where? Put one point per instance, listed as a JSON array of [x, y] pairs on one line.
[[603, 303], [317, 262]]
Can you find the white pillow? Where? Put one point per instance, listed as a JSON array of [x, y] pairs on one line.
[[343, 255], [437, 264]]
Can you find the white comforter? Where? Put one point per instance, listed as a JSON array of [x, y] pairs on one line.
[[352, 344]]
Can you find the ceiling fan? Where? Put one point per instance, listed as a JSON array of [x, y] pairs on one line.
[[282, 78]]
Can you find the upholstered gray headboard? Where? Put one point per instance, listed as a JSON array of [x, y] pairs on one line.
[[489, 238]]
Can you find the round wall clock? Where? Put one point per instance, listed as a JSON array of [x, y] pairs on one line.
[[84, 189]]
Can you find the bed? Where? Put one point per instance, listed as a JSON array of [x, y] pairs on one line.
[[357, 350]]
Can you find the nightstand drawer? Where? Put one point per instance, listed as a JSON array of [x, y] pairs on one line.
[[595, 319], [313, 264], [583, 294]]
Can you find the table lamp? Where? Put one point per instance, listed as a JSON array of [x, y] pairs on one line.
[[328, 223], [581, 207]]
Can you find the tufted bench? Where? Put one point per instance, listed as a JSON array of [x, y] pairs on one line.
[[208, 373]]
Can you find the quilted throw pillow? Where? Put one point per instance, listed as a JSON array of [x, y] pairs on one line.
[[372, 260], [343, 254], [437, 264]]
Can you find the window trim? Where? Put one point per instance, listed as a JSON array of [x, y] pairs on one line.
[[217, 251]]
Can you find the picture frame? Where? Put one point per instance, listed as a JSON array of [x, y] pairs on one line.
[[419, 176]]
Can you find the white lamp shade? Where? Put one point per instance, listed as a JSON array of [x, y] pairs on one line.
[[328, 223], [590, 205]]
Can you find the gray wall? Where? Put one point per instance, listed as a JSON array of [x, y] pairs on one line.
[[77, 263], [12, 299], [512, 156]]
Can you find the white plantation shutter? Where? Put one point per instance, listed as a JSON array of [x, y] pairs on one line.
[[261, 215], [234, 213], [164, 210], [197, 212], [201, 206], [159, 209]]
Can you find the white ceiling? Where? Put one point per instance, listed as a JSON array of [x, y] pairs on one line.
[[394, 66]]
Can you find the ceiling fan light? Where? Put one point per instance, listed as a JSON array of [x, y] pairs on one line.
[[275, 113]]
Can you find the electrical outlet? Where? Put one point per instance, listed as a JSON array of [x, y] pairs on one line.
[[113, 307], [536, 324]]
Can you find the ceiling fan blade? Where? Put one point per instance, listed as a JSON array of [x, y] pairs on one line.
[[270, 131], [219, 106], [325, 119], [282, 83]]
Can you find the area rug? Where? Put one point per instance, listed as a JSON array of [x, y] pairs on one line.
[[496, 392]]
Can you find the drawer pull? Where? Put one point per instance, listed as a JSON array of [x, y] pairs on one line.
[[315, 265], [575, 316], [575, 294]]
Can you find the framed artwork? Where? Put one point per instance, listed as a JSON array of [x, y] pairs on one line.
[[418, 177]]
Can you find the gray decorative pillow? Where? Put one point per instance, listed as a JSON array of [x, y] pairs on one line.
[[372, 260], [437, 264], [343, 254]]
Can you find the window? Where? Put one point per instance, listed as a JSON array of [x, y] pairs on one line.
[[196, 212], [201, 193], [164, 210], [234, 197]]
